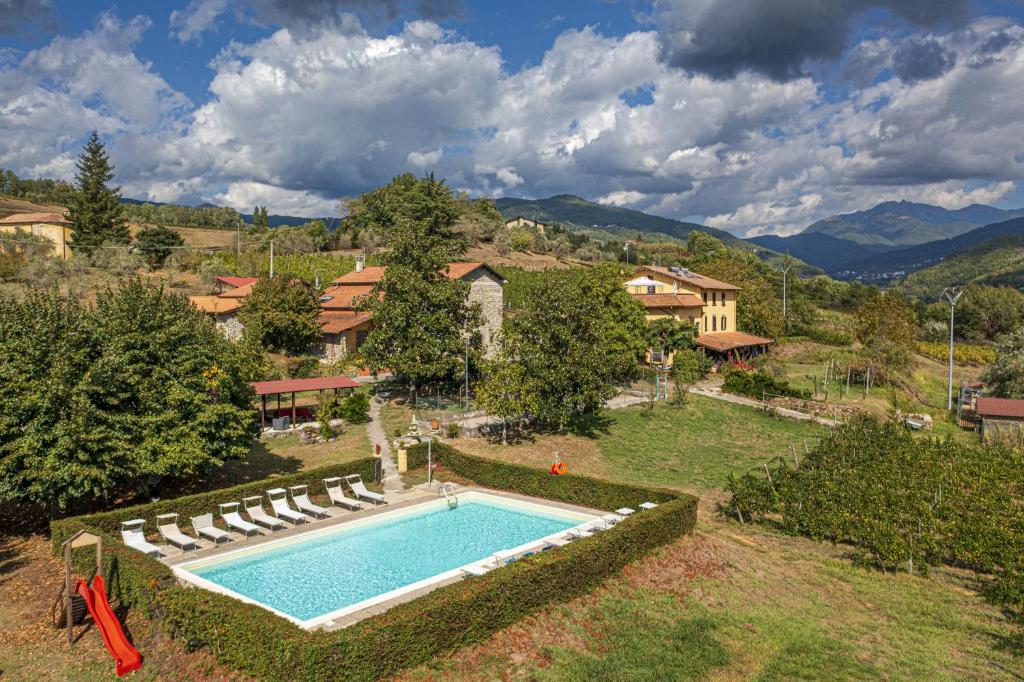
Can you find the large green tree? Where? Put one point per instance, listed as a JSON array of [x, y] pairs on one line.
[[95, 208], [667, 334], [886, 327], [281, 315], [1005, 377], [507, 392], [98, 401], [578, 332], [421, 318], [157, 243]]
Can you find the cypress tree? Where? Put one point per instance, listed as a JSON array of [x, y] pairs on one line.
[[95, 208]]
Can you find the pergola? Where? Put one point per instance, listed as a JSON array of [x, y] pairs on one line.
[[284, 386]]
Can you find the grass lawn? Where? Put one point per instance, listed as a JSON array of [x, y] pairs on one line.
[[692, 448], [738, 602]]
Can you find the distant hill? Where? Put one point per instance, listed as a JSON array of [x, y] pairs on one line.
[[912, 258], [825, 251], [904, 223], [838, 243], [998, 262], [10, 206], [576, 213]]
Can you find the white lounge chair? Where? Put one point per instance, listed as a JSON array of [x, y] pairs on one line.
[[203, 525], [611, 519], [167, 524], [229, 512], [279, 503], [647, 505], [558, 542], [355, 482], [477, 569], [337, 495], [625, 511], [254, 508], [300, 496], [134, 537]]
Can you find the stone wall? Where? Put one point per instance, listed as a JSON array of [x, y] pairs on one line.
[[486, 290], [230, 325]]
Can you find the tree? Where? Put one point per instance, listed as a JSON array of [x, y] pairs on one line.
[[758, 307], [260, 221], [95, 209], [885, 325], [421, 318], [986, 312], [98, 401], [157, 243], [282, 315], [506, 392], [667, 334], [689, 367], [701, 244], [1004, 378], [577, 332]]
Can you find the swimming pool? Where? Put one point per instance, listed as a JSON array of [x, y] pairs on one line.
[[327, 573]]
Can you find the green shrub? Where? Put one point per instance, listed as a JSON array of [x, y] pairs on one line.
[[453, 430], [303, 367], [757, 384], [355, 409], [261, 644]]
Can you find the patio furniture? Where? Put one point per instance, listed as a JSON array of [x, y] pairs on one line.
[[203, 525], [134, 537], [254, 508], [337, 494], [279, 503], [229, 512], [167, 524], [355, 482], [300, 496]]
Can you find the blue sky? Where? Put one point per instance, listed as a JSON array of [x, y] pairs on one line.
[[754, 115]]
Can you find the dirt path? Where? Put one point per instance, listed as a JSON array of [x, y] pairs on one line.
[[375, 430]]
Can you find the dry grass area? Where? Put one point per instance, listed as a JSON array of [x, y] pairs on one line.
[[487, 253], [11, 206], [32, 648], [736, 602]]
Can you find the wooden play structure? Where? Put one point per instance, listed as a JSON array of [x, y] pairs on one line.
[[93, 598]]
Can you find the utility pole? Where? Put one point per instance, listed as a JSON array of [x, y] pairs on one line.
[[271, 259], [951, 295], [238, 241], [785, 272], [466, 376]]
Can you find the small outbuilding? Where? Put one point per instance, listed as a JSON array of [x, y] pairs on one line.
[[292, 387], [998, 415]]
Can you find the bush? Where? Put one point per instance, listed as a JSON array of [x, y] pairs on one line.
[[757, 384], [303, 367], [268, 647], [355, 409], [453, 430], [905, 502]]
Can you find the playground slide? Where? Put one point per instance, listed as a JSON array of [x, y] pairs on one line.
[[125, 655]]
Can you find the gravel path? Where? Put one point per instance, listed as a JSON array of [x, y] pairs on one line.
[[375, 430]]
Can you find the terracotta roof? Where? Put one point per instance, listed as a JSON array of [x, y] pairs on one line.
[[669, 300], [723, 341], [238, 292], [215, 305], [298, 385], [25, 218], [343, 296], [999, 407], [337, 322], [373, 273], [683, 275], [236, 281]]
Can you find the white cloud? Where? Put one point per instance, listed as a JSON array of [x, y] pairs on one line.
[[424, 159], [244, 195]]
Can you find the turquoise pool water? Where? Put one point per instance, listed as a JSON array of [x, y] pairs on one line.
[[310, 578]]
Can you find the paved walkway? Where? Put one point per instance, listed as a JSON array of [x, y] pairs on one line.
[[375, 430]]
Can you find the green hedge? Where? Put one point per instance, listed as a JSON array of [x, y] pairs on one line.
[[259, 643]]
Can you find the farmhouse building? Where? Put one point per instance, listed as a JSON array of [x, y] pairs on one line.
[[52, 226], [524, 222], [345, 328], [996, 416], [707, 303]]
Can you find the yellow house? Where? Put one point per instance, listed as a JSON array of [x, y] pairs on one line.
[[52, 226], [707, 303], [524, 222]]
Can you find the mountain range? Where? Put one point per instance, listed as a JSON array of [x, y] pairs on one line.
[[853, 244]]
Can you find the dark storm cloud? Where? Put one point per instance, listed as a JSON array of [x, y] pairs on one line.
[[775, 37], [314, 12], [15, 14], [920, 60]]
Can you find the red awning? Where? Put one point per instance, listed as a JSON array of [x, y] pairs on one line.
[[299, 385]]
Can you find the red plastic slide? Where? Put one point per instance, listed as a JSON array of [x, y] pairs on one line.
[[125, 655]]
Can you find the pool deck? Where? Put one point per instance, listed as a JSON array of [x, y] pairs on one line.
[[338, 516]]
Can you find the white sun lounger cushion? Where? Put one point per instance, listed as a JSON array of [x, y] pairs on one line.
[[477, 569], [647, 505], [338, 496], [204, 527], [281, 508], [260, 516], [167, 524], [132, 535], [235, 521], [302, 501], [356, 483]]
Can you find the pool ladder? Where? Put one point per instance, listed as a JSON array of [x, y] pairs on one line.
[[449, 493]]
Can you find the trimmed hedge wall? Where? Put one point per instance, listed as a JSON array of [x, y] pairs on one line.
[[257, 642]]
